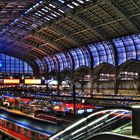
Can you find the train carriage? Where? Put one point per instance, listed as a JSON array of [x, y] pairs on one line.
[[25, 128]]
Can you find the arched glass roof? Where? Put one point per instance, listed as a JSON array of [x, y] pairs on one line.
[[50, 63], [41, 65], [81, 57], [127, 48], [64, 61], [102, 52]]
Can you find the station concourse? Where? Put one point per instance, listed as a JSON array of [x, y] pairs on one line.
[[69, 69]]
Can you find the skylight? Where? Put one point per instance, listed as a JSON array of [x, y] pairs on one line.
[[46, 18], [70, 6], [62, 1], [81, 1], [53, 14], [47, 8], [61, 10], [37, 14], [76, 4], [44, 10], [52, 5]]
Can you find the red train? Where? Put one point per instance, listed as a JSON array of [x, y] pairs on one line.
[[69, 106], [19, 132], [25, 128]]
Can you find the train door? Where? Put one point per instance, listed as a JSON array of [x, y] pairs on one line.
[[26, 132], [3, 123], [32, 135], [13, 127]]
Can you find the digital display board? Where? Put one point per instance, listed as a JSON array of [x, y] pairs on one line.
[[11, 81], [32, 81]]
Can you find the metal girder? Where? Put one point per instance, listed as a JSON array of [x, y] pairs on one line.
[[65, 34], [29, 59], [123, 14], [23, 1], [90, 26], [48, 40], [41, 52], [81, 20], [20, 52], [17, 52], [135, 4]]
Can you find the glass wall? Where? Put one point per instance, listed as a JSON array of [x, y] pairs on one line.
[[102, 52], [81, 57], [11, 65], [64, 61], [50, 63], [127, 48]]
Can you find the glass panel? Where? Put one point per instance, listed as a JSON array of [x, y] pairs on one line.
[[102, 52], [75, 58], [13, 65], [50, 63]]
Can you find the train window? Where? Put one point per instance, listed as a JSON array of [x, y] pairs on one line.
[[19, 129], [2, 123], [41, 137], [25, 132], [7, 124], [32, 136], [13, 127]]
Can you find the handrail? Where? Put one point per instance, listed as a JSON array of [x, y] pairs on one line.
[[98, 127], [71, 127]]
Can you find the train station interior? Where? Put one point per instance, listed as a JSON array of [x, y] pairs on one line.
[[69, 69]]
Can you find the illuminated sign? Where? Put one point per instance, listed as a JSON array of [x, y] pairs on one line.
[[11, 81], [32, 81], [0, 64]]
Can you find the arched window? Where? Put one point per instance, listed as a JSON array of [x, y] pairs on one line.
[[12, 65], [64, 62], [102, 52], [81, 57], [50, 63], [127, 48]]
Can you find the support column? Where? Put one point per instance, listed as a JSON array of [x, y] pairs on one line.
[[82, 82], [98, 89], [138, 88], [91, 82], [73, 92], [59, 81], [116, 83], [98, 84]]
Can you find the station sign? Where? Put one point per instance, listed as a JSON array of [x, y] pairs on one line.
[[32, 81]]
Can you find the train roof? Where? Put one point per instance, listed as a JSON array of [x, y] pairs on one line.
[[30, 123]]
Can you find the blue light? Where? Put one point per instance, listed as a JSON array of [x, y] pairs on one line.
[[1, 64]]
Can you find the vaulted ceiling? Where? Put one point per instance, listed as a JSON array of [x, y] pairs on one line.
[[33, 29]]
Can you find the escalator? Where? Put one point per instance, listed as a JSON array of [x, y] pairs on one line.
[[101, 121]]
